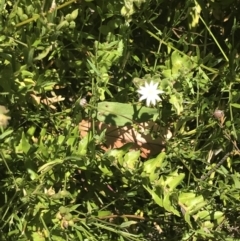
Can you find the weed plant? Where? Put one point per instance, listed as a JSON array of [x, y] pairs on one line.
[[67, 61]]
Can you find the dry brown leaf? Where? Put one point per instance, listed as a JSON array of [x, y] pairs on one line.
[[49, 101], [116, 137]]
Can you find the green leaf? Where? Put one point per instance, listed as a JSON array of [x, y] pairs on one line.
[[131, 159], [184, 197], [203, 215], [127, 224], [236, 180], [151, 166], [48, 166], [83, 144], [177, 103], [118, 153], [104, 213], [37, 236], [174, 180], [5, 134], [167, 204], [105, 170], [235, 105], [44, 53], [187, 218], [155, 197], [25, 144], [177, 61], [120, 114]]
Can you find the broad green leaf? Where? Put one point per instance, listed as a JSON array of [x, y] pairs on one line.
[[121, 114], [150, 166], [105, 170], [184, 197], [192, 203], [203, 215], [198, 206], [167, 73], [79, 234], [174, 181], [155, 197], [218, 216], [177, 61], [31, 131], [118, 153], [168, 205], [131, 159]]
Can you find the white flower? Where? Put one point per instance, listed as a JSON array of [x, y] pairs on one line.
[[83, 102], [150, 92]]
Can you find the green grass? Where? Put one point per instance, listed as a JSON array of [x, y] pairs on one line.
[[58, 183]]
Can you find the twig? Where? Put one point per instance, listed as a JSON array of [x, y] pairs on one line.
[[216, 167]]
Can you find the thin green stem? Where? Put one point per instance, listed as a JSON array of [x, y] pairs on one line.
[[231, 112], [215, 40], [214, 71], [14, 180]]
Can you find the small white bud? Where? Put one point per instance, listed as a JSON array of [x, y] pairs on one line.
[[83, 102]]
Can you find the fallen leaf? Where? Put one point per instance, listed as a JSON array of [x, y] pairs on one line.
[[116, 137]]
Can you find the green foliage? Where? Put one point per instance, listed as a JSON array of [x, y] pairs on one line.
[[56, 185]]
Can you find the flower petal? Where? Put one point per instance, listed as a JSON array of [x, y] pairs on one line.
[[150, 92]]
